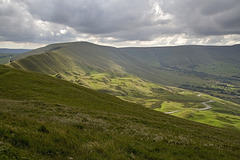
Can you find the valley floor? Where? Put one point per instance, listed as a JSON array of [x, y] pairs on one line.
[[182, 103], [42, 117]]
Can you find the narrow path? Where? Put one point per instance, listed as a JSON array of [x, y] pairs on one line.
[[172, 112], [207, 107]]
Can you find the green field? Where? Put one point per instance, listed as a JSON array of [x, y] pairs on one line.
[[46, 118], [213, 70], [123, 73], [160, 98]]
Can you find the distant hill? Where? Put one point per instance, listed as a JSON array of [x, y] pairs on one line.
[[16, 51], [84, 57], [210, 69], [46, 118], [142, 75], [5, 57], [5, 54], [207, 59]]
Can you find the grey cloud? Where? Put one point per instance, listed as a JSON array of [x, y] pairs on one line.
[[14, 23], [100, 17], [18, 25], [123, 20], [86, 15], [206, 17], [214, 7]]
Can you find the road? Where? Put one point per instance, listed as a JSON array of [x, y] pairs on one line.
[[172, 112], [207, 107]]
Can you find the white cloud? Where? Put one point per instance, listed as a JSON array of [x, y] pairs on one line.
[[63, 31], [121, 22]]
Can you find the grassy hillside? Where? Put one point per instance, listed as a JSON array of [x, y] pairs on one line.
[[4, 57], [134, 89], [108, 70], [47, 118], [6, 53], [190, 57], [211, 69], [91, 57]]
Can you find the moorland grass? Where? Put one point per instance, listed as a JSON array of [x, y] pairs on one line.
[[45, 118]]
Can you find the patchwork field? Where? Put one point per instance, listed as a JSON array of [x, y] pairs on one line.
[[188, 104], [142, 75], [42, 117]]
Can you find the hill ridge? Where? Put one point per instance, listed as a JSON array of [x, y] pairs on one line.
[[138, 75], [46, 118]]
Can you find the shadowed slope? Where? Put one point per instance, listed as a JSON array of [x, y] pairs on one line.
[[167, 65], [185, 56], [88, 57], [46, 118], [112, 70]]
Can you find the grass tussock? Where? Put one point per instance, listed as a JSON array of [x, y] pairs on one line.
[[45, 118]]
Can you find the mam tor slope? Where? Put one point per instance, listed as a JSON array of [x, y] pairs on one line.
[[46, 118], [86, 57], [211, 69], [109, 69]]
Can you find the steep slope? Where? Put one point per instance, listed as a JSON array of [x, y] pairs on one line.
[[189, 57], [210, 69], [90, 57], [109, 70], [46, 118]]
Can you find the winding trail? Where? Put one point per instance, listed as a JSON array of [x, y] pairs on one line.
[[207, 107], [172, 112]]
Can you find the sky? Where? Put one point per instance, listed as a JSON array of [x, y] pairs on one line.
[[120, 23]]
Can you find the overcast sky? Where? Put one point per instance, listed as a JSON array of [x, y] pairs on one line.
[[34, 23]]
